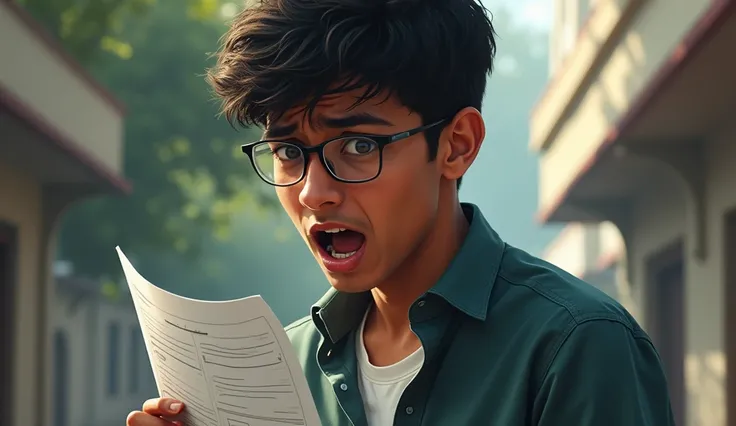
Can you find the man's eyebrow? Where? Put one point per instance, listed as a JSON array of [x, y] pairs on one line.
[[347, 121], [279, 131], [354, 120]]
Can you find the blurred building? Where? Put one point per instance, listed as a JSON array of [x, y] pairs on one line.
[[100, 369], [637, 128], [593, 253], [60, 142]]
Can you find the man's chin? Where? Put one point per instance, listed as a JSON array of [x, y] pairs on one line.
[[348, 284]]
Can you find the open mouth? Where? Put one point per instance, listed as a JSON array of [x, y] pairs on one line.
[[340, 243]]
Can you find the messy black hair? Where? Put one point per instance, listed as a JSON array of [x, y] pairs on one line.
[[434, 55]]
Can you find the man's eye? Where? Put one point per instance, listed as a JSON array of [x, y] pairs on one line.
[[287, 152], [359, 146]]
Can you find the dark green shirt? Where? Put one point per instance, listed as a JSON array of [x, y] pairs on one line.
[[509, 340]]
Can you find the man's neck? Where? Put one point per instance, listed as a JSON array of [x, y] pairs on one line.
[[419, 273]]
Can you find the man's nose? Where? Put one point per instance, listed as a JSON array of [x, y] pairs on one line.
[[320, 190]]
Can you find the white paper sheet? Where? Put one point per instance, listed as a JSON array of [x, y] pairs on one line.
[[231, 362]]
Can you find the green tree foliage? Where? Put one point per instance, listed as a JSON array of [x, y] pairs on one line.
[[188, 174], [88, 28]]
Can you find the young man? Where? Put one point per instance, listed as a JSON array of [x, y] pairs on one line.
[[371, 117]]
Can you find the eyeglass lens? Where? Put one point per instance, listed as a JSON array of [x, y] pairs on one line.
[[351, 159]]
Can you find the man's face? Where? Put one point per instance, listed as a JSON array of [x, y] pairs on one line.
[[361, 232]]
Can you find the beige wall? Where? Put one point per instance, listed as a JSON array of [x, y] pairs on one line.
[[584, 248], [74, 323], [118, 407], [86, 329], [20, 205], [661, 220], [76, 109], [568, 250], [649, 39], [92, 125]]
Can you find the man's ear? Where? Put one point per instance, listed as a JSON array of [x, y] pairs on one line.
[[460, 143]]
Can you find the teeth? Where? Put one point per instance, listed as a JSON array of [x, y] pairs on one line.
[[334, 230], [337, 255]]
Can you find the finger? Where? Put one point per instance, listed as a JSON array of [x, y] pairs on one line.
[[139, 418], [162, 407]]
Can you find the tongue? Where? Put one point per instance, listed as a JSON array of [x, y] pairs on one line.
[[347, 241]]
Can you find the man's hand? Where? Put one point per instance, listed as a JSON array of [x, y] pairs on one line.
[[153, 412]]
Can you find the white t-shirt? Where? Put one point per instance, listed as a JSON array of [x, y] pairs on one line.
[[382, 387]]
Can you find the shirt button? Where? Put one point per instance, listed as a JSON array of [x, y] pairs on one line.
[[344, 387], [329, 353], [409, 410], [421, 303]]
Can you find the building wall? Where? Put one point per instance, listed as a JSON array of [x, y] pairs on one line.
[[89, 124], [20, 206], [650, 37], [76, 109], [568, 139], [118, 405], [605, 280], [568, 251], [86, 325], [660, 221], [71, 320]]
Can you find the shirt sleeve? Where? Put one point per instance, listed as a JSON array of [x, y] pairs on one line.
[[604, 374]]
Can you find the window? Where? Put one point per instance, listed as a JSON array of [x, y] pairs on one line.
[[135, 360], [61, 379], [113, 358], [8, 283]]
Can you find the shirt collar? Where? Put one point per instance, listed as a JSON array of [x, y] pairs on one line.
[[466, 284]]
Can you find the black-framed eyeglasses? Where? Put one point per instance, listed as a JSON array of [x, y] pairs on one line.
[[352, 159]]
